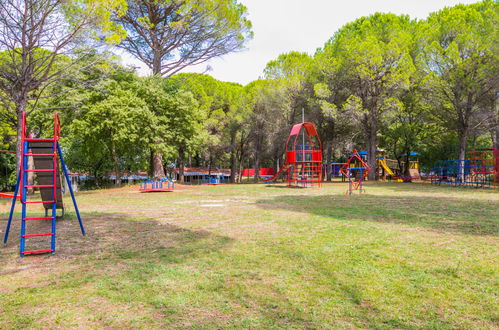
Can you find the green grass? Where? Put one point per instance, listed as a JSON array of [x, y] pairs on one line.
[[254, 256]]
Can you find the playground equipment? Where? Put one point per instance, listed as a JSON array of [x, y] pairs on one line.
[[303, 166], [395, 169], [413, 166], [355, 170], [45, 154], [264, 173], [214, 180], [4, 195], [481, 170], [149, 185], [387, 170], [332, 170]]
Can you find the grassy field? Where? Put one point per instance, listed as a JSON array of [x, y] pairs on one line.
[[256, 256]]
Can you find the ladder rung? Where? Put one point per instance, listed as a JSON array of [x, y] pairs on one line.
[[38, 202], [39, 140], [39, 186], [43, 155], [36, 235], [37, 251], [38, 218], [40, 170]]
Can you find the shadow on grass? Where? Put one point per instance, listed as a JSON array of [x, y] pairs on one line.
[[121, 261], [113, 237], [407, 187], [476, 217]]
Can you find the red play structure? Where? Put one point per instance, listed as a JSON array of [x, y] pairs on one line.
[[355, 170], [303, 166]]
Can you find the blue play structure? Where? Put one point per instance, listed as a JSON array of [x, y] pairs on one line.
[[150, 185], [214, 179], [451, 171], [333, 169]]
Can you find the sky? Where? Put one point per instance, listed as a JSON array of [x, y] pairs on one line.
[[281, 26]]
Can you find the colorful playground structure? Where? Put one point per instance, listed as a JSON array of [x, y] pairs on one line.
[[303, 166], [150, 185], [480, 170], [45, 154], [355, 170], [386, 168], [214, 180]]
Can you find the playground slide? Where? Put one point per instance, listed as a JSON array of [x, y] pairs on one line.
[[388, 170], [44, 177], [283, 169]]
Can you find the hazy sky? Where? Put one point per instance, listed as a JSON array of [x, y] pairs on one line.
[[281, 26]]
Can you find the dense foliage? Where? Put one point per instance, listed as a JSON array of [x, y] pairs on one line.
[[383, 82]]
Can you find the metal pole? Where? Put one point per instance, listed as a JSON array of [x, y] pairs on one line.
[[12, 207], [303, 145], [65, 171]]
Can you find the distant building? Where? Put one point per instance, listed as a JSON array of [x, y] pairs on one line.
[[196, 175]]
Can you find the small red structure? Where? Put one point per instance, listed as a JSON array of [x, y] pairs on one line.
[[355, 170], [263, 172], [303, 166], [484, 168]]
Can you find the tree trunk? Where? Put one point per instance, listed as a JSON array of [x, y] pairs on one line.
[[495, 136], [463, 136], [19, 139], [257, 160], [158, 171], [181, 163], [157, 166], [116, 166], [233, 161], [31, 175], [371, 144], [329, 167]]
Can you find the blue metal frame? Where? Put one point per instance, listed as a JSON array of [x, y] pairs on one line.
[[22, 240], [156, 184], [16, 190], [64, 169]]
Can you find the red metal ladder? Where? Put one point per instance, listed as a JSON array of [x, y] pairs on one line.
[[30, 144]]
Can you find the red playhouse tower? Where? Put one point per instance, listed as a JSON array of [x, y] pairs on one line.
[[303, 164]]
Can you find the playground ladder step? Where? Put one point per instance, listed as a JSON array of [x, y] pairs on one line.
[[37, 235], [38, 202], [39, 140], [37, 251], [37, 218], [39, 155], [40, 170], [40, 186]]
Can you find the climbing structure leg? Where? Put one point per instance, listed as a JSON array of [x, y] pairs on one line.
[[12, 207], [65, 171]]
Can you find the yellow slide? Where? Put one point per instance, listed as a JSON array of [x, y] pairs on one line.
[[388, 170]]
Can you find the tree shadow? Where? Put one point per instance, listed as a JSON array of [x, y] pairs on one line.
[[427, 186], [108, 236], [475, 217]]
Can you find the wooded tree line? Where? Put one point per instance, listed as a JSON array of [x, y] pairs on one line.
[[381, 82]]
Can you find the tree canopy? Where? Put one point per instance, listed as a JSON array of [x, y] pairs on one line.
[[384, 82]]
